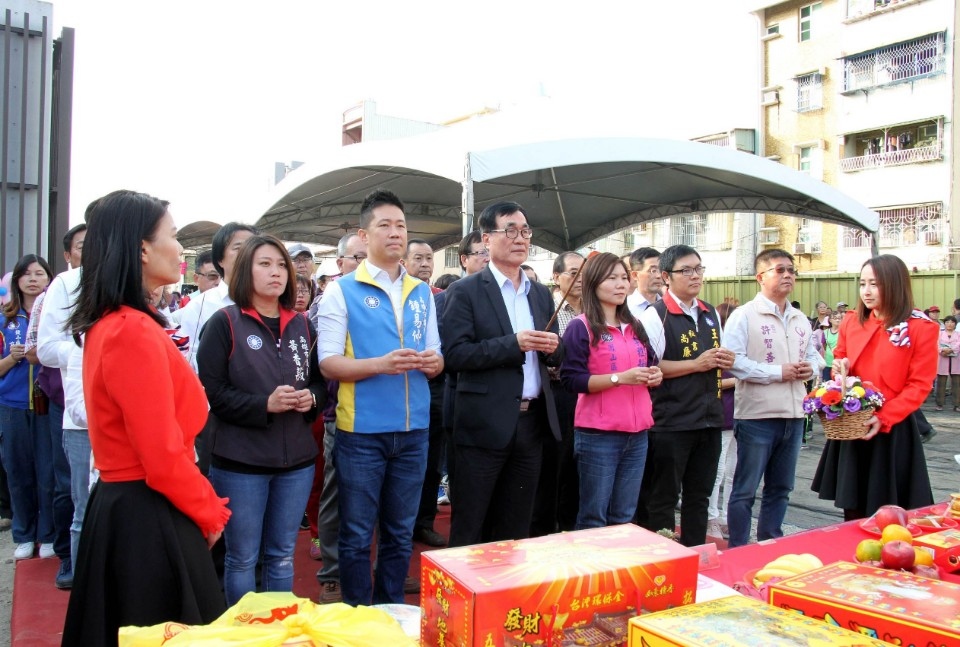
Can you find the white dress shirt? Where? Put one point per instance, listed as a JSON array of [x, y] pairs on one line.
[[521, 318]]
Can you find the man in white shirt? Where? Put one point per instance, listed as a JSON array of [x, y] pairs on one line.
[[645, 271], [377, 332]]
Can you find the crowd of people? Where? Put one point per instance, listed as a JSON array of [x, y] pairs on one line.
[[166, 448]]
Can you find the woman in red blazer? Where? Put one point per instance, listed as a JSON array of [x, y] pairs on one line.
[[890, 343]]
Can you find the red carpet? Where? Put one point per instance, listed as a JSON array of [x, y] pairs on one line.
[[39, 607]]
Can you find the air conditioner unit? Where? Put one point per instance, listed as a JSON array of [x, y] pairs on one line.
[[801, 248]]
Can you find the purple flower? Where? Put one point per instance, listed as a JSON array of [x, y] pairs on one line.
[[852, 405], [830, 414], [809, 406]]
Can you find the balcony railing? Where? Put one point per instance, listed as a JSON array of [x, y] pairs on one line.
[[892, 158]]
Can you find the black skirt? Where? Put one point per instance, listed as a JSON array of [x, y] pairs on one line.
[[887, 469], [141, 562]]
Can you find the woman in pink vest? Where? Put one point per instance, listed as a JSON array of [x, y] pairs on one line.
[[609, 362]]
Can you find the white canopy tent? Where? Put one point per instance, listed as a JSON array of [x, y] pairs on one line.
[[575, 190]]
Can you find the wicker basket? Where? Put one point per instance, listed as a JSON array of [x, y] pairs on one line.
[[847, 426]]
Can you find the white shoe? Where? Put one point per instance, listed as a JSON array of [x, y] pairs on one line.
[[23, 551], [46, 551], [713, 529]]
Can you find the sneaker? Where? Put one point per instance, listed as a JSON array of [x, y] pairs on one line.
[[429, 536], [46, 551], [23, 551], [411, 585], [330, 592], [713, 529], [64, 575], [443, 494], [315, 549]]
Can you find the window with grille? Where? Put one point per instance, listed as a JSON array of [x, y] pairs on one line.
[[809, 92], [451, 257], [855, 238], [808, 20], [910, 59], [906, 226]]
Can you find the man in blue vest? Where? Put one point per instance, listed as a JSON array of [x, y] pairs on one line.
[[378, 337]]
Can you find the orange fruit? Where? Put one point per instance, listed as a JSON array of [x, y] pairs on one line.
[[896, 532], [924, 558], [868, 550]]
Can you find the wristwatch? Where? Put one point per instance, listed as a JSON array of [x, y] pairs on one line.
[[615, 379]]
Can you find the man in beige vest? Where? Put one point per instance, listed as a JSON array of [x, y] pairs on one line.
[[775, 355]]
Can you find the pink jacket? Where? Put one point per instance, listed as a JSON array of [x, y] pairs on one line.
[[621, 408], [949, 365]]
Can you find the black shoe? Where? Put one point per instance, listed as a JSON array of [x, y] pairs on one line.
[[64, 575], [429, 536], [411, 585], [305, 522], [925, 438]]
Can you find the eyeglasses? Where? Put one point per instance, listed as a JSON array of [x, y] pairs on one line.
[[301, 292], [212, 276], [780, 269], [513, 232], [356, 257], [650, 270], [302, 260], [689, 271], [482, 252], [571, 273]]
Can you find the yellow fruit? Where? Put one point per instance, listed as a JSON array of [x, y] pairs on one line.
[[896, 532], [868, 550], [924, 558]]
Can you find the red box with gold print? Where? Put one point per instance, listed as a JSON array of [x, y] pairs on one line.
[[945, 545], [570, 588], [895, 606]]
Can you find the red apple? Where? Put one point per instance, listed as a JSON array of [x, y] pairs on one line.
[[931, 572], [897, 555], [889, 514]]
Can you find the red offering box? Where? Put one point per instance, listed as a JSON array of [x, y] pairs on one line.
[[739, 620], [571, 588], [894, 606], [943, 541]]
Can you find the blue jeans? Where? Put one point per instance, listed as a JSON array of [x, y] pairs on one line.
[[28, 459], [610, 464], [62, 502], [380, 477], [266, 510], [76, 445], [766, 449]]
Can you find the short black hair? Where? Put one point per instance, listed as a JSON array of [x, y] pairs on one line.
[[488, 217], [202, 259], [375, 199], [769, 255], [241, 282], [956, 304], [417, 241], [949, 318], [444, 280], [468, 241], [640, 255], [222, 238], [560, 262], [68, 237], [670, 256]]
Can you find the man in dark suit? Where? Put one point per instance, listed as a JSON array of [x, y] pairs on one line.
[[493, 337]]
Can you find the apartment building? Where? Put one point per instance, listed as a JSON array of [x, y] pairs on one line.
[[861, 94]]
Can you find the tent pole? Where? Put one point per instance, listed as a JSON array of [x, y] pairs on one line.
[[563, 214], [466, 197]]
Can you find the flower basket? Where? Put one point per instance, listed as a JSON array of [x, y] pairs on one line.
[[844, 404]]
